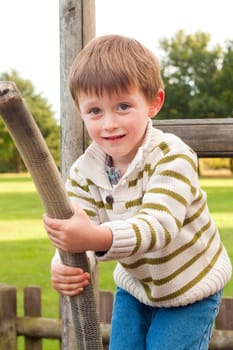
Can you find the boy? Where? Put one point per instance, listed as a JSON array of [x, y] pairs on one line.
[[137, 200]]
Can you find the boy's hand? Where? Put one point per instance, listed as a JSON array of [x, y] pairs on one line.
[[71, 235], [68, 280], [77, 234]]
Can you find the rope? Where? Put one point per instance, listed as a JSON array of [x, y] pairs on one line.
[[49, 184]]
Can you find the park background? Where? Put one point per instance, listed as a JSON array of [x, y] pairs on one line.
[[195, 47]]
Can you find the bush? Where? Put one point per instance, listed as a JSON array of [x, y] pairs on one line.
[[216, 163]]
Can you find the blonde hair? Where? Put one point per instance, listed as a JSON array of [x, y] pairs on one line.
[[112, 64]]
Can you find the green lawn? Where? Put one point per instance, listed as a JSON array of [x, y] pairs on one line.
[[220, 201], [26, 251]]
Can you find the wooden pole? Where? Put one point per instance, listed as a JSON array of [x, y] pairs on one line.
[[50, 187], [77, 27]]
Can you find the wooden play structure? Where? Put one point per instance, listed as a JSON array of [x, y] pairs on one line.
[[209, 138]]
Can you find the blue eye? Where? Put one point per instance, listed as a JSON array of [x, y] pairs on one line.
[[124, 106], [95, 111]]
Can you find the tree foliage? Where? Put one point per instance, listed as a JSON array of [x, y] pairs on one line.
[[225, 81], [198, 79], [41, 110]]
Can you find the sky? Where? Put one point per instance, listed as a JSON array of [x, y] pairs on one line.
[[30, 31]]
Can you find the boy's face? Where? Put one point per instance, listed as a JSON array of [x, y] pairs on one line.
[[118, 123]]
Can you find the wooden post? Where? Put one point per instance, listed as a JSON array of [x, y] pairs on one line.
[[8, 336], [105, 306], [32, 307], [77, 27], [224, 320], [105, 315]]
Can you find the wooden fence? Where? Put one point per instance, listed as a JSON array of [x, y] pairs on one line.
[[34, 327]]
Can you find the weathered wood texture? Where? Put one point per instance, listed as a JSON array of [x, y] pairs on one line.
[[39, 162], [77, 27], [224, 320], [8, 334], [208, 137], [32, 307], [105, 306], [221, 340]]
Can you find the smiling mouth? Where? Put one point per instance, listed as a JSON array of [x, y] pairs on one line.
[[112, 138]]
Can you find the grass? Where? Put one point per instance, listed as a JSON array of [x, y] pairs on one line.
[[219, 196], [26, 251]]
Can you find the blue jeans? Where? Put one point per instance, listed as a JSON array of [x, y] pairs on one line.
[[136, 326]]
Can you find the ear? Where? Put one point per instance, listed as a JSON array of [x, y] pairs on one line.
[[157, 103]]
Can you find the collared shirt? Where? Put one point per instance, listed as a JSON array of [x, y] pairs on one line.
[[113, 173]]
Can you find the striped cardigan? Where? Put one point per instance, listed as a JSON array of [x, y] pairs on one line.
[[167, 245]]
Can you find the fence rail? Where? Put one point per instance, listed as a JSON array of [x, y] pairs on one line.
[[35, 327], [208, 137]]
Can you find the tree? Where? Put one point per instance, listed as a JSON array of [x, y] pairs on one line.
[[44, 117], [225, 80], [191, 72]]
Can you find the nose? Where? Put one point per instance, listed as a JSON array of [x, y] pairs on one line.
[[110, 121]]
